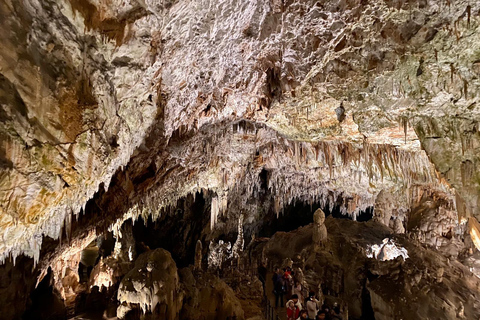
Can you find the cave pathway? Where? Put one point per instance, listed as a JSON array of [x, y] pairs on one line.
[[281, 311]]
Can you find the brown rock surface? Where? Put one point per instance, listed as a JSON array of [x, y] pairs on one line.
[[114, 110], [88, 82], [426, 285]]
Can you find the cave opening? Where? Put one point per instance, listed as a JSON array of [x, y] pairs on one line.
[[100, 248]]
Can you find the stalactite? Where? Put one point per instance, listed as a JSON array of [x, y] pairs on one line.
[[452, 72], [302, 171], [469, 14], [405, 127]]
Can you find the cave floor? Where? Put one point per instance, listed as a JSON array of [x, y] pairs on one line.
[[281, 312]]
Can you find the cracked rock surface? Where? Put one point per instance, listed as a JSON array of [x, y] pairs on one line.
[[138, 103]]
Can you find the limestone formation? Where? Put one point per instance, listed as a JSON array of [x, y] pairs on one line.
[[320, 230], [299, 276], [218, 253], [116, 114], [398, 226], [239, 243], [344, 272], [198, 255], [287, 263], [152, 286], [208, 297], [104, 84]]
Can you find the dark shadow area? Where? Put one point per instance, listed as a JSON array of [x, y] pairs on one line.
[[46, 304], [16, 283], [293, 216], [177, 230], [367, 309], [92, 305], [366, 215]]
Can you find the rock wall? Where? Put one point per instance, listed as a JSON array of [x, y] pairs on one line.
[[425, 285], [145, 102], [69, 118], [158, 289]]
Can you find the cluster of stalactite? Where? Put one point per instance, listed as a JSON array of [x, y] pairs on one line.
[[235, 162], [310, 171]]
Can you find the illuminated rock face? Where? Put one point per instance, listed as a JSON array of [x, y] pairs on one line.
[[424, 284], [152, 284], [69, 119], [342, 103]]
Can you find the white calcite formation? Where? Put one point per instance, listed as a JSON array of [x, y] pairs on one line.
[[221, 251], [152, 285], [240, 242], [207, 94], [102, 275], [387, 250], [218, 253]]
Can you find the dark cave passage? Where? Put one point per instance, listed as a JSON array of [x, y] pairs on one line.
[[45, 303], [301, 214], [177, 230]]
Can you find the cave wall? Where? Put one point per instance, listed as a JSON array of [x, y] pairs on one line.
[[135, 104], [68, 121]]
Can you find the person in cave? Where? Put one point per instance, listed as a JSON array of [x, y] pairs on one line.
[[312, 305], [298, 290], [327, 311], [336, 313], [321, 316], [293, 308], [303, 315], [278, 287], [288, 281], [262, 275]]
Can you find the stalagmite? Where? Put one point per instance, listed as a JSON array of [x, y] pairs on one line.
[[214, 212], [299, 276], [239, 243], [153, 282], [319, 230], [398, 226], [198, 255]]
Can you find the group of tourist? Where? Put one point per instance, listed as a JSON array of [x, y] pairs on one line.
[[295, 310], [286, 283]]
